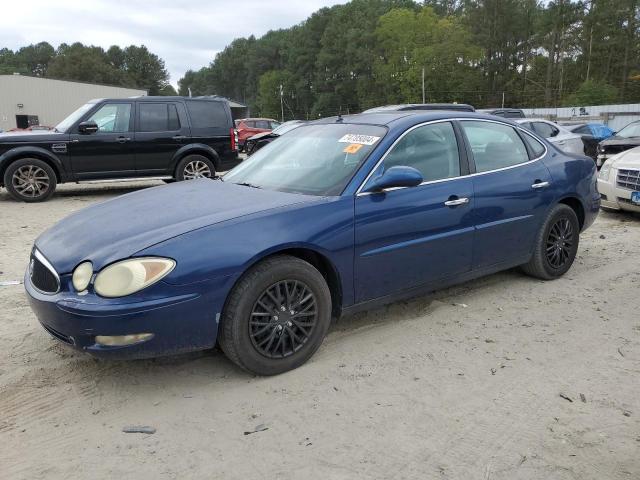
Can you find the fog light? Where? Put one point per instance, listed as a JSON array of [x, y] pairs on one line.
[[120, 340]]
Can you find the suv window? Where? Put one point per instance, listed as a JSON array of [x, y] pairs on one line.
[[544, 129], [263, 124], [431, 149], [207, 114], [158, 117], [494, 145], [112, 117]]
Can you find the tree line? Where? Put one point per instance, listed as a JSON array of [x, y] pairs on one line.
[[373, 52], [132, 66]]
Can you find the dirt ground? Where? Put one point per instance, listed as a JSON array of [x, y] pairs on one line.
[[505, 377]]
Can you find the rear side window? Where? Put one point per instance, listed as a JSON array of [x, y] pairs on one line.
[[158, 117], [535, 146], [494, 145], [207, 114]]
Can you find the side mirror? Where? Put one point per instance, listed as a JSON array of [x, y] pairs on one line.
[[87, 128], [396, 177]]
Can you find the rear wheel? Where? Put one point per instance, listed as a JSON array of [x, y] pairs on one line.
[[556, 244], [193, 167], [276, 317], [30, 180]]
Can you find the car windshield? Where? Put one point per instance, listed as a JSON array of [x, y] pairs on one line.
[[286, 127], [65, 124], [631, 130], [313, 159]]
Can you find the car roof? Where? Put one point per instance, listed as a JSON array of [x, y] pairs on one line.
[[407, 116], [422, 106], [258, 118]]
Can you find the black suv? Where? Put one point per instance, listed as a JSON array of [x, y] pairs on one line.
[[173, 138]]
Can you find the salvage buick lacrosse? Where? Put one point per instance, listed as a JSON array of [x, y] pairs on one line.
[[339, 215]]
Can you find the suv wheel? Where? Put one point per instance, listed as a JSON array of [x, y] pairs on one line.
[[192, 167], [30, 180], [276, 316], [556, 244]]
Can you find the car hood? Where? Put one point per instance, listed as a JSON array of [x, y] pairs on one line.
[[32, 137], [615, 140], [627, 159], [258, 136], [120, 227]]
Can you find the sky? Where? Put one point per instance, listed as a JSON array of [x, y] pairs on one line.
[[185, 34]]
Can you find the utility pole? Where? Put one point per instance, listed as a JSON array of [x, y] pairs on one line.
[[423, 95], [503, 99], [189, 88], [281, 105]]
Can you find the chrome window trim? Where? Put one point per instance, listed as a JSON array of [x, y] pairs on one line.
[[41, 258], [360, 193]]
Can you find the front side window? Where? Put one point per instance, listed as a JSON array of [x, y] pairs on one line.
[[494, 145], [312, 159], [545, 130], [68, 122], [112, 118], [430, 149], [158, 117]]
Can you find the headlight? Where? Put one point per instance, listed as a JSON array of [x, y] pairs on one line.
[[129, 276], [82, 276], [604, 171]]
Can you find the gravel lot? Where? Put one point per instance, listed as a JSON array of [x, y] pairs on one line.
[[462, 384]]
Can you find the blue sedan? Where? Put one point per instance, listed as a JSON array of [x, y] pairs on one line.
[[340, 215]]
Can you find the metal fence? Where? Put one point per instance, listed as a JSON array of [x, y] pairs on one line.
[[614, 116]]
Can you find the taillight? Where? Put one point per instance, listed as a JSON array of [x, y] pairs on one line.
[[234, 139]]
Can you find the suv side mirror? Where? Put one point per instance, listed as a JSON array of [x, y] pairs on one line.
[[396, 177], [87, 128]]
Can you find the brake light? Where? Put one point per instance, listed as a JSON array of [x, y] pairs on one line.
[[234, 139]]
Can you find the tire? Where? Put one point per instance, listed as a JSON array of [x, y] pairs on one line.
[[30, 180], [262, 337], [556, 244], [195, 166]]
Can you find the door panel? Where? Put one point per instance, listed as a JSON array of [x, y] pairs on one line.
[[108, 153], [409, 237], [159, 135]]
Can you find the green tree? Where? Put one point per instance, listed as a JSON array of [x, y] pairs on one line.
[[591, 92]]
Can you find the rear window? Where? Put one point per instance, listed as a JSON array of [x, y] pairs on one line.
[[206, 114]]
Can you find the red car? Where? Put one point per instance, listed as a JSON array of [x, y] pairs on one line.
[[248, 127]]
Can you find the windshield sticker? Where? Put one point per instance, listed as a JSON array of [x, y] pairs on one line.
[[360, 139], [352, 148]]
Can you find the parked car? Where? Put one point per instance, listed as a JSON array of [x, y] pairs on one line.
[[458, 107], [561, 137], [248, 127], [145, 137], [628, 137], [592, 134], [619, 181], [336, 216], [504, 112], [255, 143]]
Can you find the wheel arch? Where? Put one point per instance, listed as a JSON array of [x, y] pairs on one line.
[[313, 256], [196, 149], [576, 205], [38, 153]]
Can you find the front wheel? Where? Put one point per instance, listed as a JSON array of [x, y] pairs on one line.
[[30, 180], [556, 244], [276, 317]]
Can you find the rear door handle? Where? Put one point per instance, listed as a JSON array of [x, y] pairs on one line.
[[540, 185], [123, 139], [179, 138], [454, 202]]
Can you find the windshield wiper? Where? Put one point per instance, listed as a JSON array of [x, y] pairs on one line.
[[247, 184]]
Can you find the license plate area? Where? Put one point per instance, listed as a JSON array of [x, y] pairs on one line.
[[635, 198]]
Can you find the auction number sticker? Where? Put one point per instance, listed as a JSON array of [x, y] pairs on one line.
[[359, 139]]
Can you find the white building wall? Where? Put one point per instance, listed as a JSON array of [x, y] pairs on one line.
[[615, 116], [51, 100]]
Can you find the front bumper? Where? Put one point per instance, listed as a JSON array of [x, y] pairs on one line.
[[181, 318], [614, 197]]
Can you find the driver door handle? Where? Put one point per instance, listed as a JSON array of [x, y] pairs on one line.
[[540, 185], [454, 202]]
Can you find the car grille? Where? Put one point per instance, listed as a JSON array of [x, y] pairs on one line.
[[43, 277], [629, 179]]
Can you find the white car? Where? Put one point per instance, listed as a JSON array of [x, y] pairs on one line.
[[561, 137], [619, 181]]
